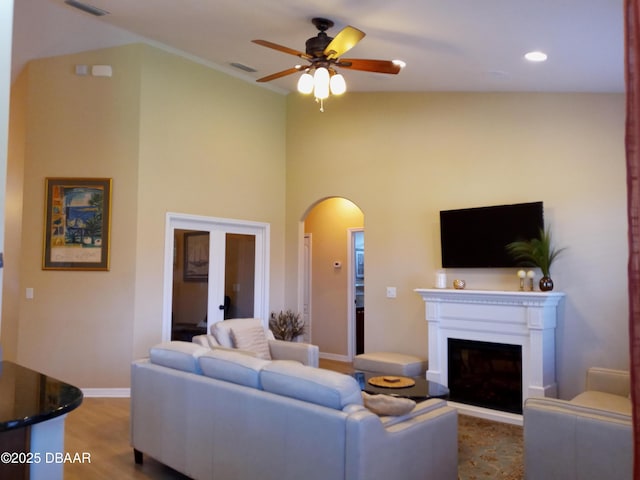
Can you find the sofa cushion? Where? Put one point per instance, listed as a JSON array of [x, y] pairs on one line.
[[387, 404], [179, 355], [252, 339], [314, 385], [222, 330], [603, 401], [233, 367]]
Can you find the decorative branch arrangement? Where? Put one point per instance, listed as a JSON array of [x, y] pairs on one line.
[[286, 325]]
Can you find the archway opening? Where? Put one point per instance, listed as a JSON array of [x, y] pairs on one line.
[[334, 277]]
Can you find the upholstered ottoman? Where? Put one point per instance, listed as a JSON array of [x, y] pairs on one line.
[[391, 363]]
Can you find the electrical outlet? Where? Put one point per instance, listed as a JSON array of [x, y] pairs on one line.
[[391, 292]]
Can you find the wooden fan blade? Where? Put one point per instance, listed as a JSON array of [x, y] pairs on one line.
[[283, 73], [280, 48], [345, 40], [367, 65]]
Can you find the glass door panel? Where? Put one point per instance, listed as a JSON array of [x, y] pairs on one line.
[[215, 269], [239, 275], [190, 284]]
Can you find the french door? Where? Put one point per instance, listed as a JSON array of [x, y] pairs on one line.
[[214, 269]]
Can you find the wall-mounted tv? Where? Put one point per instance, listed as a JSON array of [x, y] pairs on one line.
[[476, 237]]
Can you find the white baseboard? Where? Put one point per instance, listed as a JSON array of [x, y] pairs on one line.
[[106, 392], [335, 356], [487, 414]]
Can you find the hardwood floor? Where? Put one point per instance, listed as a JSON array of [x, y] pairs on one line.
[[100, 428]]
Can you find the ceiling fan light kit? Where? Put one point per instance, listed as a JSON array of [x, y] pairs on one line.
[[324, 54], [305, 83]]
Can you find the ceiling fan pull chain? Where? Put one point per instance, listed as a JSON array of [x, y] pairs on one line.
[[321, 105]]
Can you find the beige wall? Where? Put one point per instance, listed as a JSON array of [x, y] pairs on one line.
[[177, 136], [174, 136], [78, 326], [328, 223], [404, 157], [209, 145]]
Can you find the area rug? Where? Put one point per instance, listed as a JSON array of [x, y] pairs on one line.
[[489, 450]]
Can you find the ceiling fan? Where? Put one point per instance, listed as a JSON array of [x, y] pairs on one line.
[[324, 55]]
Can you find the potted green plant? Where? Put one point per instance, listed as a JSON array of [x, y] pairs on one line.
[[537, 252], [286, 325]]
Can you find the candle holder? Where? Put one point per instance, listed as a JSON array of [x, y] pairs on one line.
[[521, 276], [530, 275]]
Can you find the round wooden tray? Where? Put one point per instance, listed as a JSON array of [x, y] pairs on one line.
[[390, 381]]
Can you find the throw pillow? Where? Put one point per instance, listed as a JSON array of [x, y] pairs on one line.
[[387, 405], [253, 339]]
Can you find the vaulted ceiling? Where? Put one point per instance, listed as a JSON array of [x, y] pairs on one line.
[[448, 45]]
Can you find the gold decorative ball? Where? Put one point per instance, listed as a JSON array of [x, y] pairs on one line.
[[459, 284]]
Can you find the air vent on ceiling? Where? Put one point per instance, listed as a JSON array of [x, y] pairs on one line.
[[98, 12], [245, 68]]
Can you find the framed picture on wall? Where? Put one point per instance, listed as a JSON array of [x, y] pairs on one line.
[[77, 224], [196, 256]]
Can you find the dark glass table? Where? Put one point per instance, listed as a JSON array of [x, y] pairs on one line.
[[421, 391], [32, 411]]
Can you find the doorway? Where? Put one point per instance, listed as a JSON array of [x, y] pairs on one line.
[[328, 271], [215, 269], [357, 287]]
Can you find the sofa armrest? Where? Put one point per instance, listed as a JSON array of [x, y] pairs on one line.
[[607, 380], [305, 353], [421, 445], [565, 440]]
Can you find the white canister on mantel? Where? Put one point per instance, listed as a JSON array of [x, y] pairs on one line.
[[441, 279]]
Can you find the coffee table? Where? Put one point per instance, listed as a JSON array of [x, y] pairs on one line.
[[421, 391]]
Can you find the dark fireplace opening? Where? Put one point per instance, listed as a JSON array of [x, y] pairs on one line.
[[485, 374]]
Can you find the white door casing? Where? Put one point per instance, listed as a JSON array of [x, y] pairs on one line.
[[217, 228]]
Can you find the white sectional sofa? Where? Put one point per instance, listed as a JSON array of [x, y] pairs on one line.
[[219, 414], [221, 336]]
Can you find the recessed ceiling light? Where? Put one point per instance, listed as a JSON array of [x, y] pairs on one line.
[[535, 56]]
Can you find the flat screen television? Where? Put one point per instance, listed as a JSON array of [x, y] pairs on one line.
[[477, 237]]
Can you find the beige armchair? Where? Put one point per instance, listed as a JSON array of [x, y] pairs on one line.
[[586, 438], [222, 336]]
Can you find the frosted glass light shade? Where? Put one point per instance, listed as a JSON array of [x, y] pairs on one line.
[[321, 83], [338, 85], [305, 83]]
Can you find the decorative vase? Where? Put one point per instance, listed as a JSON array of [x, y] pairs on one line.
[[546, 284]]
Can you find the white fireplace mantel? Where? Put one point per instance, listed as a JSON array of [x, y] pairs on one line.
[[527, 319]]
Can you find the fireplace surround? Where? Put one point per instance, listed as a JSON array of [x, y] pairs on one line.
[[524, 319]]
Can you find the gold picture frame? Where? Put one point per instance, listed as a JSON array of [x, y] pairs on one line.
[[77, 225]]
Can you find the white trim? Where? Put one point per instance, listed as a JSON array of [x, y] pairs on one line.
[[351, 291], [301, 270], [334, 356], [262, 232], [307, 284], [106, 392], [486, 413]]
